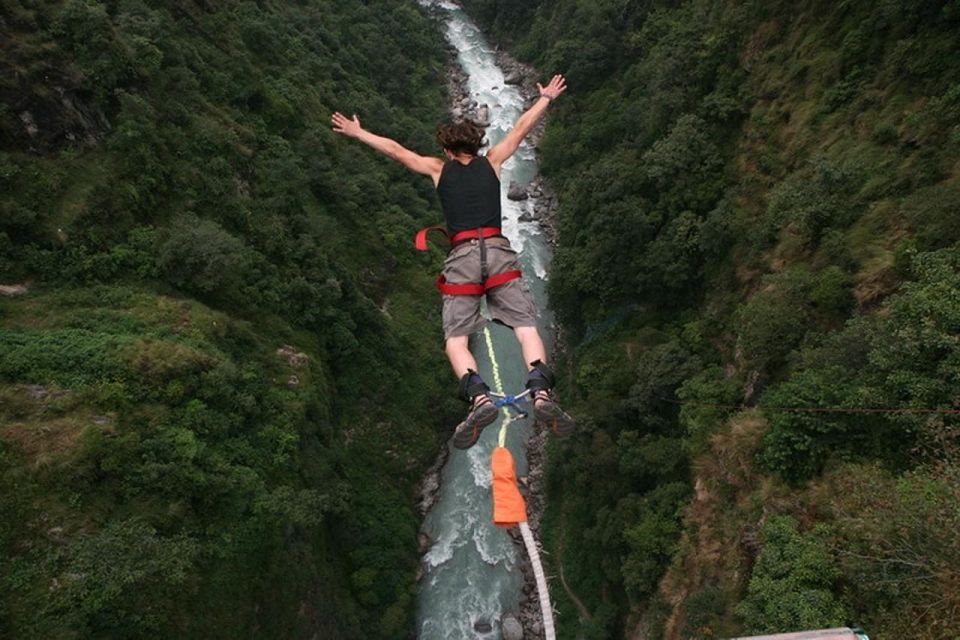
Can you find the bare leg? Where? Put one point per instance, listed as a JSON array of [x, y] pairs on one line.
[[458, 351], [532, 347], [531, 344]]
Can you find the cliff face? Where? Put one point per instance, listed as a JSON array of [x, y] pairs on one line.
[[219, 380], [758, 247]]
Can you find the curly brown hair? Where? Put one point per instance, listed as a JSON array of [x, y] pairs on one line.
[[464, 136]]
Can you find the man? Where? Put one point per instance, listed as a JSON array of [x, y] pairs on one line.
[[481, 261]]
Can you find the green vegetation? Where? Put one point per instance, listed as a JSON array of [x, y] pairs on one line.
[[792, 582], [758, 206], [210, 419], [223, 384]]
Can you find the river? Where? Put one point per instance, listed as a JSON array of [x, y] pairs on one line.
[[471, 570]]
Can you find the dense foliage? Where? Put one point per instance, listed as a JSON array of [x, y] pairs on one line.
[[223, 383], [758, 206]]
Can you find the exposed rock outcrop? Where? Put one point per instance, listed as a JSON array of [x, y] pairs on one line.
[[429, 490], [293, 357], [13, 289]]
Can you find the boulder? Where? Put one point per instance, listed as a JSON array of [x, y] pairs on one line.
[[516, 192], [483, 116], [510, 627], [513, 77], [482, 626]]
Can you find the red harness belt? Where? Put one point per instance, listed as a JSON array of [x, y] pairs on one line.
[[471, 288]]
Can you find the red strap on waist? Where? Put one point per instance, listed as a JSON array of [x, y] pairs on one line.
[[476, 288], [420, 240], [486, 232]]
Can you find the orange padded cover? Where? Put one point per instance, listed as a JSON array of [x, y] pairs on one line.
[[508, 505]]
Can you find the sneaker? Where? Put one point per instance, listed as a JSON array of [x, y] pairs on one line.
[[482, 413], [549, 413]]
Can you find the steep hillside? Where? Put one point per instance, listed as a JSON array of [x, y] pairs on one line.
[[759, 225], [222, 381]]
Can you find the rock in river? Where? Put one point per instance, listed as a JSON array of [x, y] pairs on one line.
[[482, 626], [510, 627], [483, 116], [516, 192]]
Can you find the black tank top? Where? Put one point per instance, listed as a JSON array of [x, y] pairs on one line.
[[469, 195]]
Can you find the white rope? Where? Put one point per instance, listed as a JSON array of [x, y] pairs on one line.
[[534, 553]]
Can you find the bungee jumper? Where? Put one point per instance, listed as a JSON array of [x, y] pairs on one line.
[[480, 262]]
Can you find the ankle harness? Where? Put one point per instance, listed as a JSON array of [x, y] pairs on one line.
[[541, 377], [471, 386]]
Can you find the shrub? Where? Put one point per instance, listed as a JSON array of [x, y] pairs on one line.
[[798, 445], [102, 580], [652, 538], [809, 201], [932, 213], [793, 582], [704, 611], [698, 419], [901, 358], [159, 361], [774, 320], [62, 356], [685, 165], [199, 256], [831, 294], [897, 545]]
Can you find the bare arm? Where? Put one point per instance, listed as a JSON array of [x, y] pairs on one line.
[[502, 151], [413, 161]]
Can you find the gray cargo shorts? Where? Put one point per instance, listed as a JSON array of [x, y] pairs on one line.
[[510, 304]]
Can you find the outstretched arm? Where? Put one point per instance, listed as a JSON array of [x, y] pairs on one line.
[[351, 128], [502, 151]]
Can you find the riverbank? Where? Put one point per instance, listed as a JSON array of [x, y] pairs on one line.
[[543, 197]]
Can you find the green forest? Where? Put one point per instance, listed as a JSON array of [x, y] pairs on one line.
[[221, 373], [758, 246], [224, 379]]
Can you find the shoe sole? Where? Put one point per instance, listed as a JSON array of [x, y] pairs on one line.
[[557, 420], [468, 431]]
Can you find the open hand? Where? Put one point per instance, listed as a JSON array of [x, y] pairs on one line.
[[558, 84], [346, 126]]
